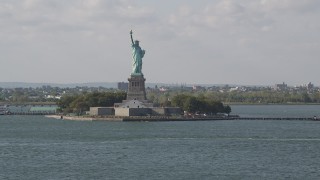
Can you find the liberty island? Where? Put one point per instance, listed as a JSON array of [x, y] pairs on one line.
[[136, 106], [136, 103]]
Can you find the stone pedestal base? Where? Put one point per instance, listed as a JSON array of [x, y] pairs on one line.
[[136, 88]]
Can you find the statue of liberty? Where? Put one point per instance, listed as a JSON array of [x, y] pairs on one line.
[[137, 55]]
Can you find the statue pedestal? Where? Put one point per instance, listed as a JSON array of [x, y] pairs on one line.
[[136, 88]]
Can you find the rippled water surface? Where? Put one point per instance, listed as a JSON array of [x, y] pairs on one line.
[[35, 147]]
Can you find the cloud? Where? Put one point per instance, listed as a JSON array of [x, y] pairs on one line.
[[33, 16], [285, 6], [224, 35], [260, 33]]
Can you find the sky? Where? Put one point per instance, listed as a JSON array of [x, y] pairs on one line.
[[247, 42]]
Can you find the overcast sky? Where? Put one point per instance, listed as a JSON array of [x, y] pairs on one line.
[[248, 42]]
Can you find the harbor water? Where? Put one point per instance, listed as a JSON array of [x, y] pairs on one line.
[[35, 147]]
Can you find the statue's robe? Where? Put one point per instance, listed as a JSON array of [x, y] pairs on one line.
[[137, 55]]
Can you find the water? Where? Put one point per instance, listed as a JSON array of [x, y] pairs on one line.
[[301, 111], [34, 147]]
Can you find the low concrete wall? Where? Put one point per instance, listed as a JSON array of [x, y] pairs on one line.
[[156, 111], [174, 111], [133, 111], [121, 111], [101, 111], [81, 118], [140, 111]]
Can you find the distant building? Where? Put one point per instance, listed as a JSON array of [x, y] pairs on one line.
[[52, 97], [310, 86], [198, 88], [163, 89], [123, 86], [234, 89], [281, 87]]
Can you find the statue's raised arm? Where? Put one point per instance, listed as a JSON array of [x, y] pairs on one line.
[[131, 37]]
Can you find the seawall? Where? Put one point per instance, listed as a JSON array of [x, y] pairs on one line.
[[137, 118], [81, 118], [169, 118]]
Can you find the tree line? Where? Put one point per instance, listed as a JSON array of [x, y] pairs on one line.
[[247, 97], [79, 103], [272, 97]]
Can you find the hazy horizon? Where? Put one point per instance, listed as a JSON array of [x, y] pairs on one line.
[[250, 42], [114, 84]]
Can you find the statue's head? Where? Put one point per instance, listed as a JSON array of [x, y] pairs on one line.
[[136, 42]]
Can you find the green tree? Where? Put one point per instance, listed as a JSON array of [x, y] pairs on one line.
[[82, 102], [200, 104], [227, 109]]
